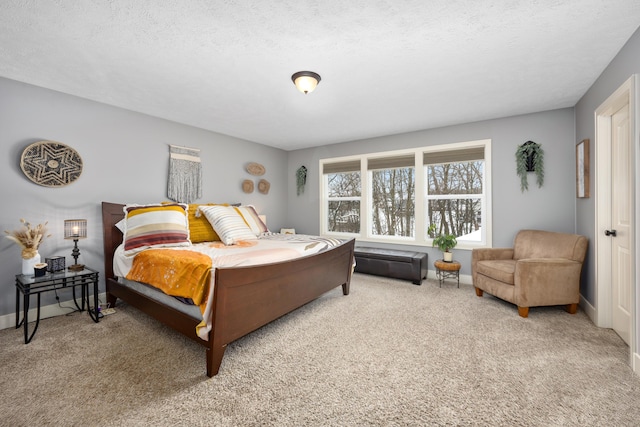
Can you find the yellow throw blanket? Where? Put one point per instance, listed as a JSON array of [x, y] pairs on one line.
[[178, 273]]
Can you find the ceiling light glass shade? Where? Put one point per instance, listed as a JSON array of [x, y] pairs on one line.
[[306, 81]]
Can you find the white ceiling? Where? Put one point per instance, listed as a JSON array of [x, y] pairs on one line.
[[387, 66]]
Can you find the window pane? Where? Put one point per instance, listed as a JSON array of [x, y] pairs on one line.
[[346, 184], [393, 202], [344, 216], [374, 196], [461, 217], [456, 178]]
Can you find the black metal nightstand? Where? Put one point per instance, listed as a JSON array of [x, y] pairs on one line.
[[29, 285]]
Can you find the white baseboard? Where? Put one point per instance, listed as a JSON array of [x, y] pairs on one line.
[[589, 309], [635, 363], [465, 279], [52, 310]]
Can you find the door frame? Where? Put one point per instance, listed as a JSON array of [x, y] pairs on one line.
[[604, 299]]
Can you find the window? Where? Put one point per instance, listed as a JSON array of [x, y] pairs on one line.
[[455, 192], [343, 189], [394, 197], [392, 200]]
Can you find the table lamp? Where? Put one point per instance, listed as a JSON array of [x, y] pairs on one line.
[[75, 229]]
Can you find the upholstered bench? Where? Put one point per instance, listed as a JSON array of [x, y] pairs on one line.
[[392, 263]]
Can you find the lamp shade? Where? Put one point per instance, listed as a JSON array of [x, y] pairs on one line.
[[75, 228], [306, 81]]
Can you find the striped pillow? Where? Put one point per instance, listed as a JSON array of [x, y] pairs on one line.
[[228, 223], [252, 219], [155, 226]]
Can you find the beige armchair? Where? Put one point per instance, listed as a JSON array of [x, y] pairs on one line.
[[543, 268]]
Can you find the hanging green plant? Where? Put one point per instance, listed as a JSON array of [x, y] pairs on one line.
[[301, 179], [530, 158]]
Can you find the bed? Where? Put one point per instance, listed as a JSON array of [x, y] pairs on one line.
[[244, 298]]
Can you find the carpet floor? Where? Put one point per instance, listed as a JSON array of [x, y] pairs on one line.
[[389, 354]]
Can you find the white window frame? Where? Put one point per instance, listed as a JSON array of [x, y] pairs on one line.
[[324, 206], [369, 212], [420, 238]]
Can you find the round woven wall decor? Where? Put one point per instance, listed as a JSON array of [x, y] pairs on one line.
[[264, 186], [51, 164], [247, 186], [256, 169]]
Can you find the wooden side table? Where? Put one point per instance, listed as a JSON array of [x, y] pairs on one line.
[[446, 270]]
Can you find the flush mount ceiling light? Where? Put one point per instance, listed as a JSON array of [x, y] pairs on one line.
[[306, 81]]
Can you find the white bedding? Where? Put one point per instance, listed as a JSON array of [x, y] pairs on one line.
[[269, 248]]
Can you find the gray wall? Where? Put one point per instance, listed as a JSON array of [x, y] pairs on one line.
[[551, 207], [125, 157]]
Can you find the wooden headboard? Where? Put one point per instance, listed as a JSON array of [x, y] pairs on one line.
[[111, 214]]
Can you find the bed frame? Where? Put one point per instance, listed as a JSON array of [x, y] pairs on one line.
[[245, 298]]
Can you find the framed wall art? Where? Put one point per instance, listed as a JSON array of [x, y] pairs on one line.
[[582, 169]]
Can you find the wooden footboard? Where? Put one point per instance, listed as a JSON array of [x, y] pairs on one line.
[[245, 298]]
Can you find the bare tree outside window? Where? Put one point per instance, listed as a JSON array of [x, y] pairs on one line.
[[344, 190], [394, 197], [393, 202], [454, 195]]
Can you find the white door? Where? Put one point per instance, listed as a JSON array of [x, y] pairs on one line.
[[621, 221], [615, 187]]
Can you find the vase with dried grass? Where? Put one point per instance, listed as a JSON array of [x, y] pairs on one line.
[[29, 239]]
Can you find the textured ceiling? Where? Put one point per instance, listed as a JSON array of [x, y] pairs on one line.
[[387, 66]]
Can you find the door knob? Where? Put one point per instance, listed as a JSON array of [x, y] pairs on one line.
[[612, 233]]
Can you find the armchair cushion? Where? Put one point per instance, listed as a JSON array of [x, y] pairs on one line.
[[501, 269]]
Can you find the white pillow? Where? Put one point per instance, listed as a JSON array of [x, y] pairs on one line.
[[228, 223]]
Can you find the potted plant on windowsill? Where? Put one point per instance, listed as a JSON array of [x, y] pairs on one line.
[[444, 242]]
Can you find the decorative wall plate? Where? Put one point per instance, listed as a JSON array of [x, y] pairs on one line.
[[51, 164], [247, 186], [255, 169], [263, 186]]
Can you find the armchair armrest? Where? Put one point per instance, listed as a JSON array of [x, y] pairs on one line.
[[491, 253], [482, 254], [547, 281]]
